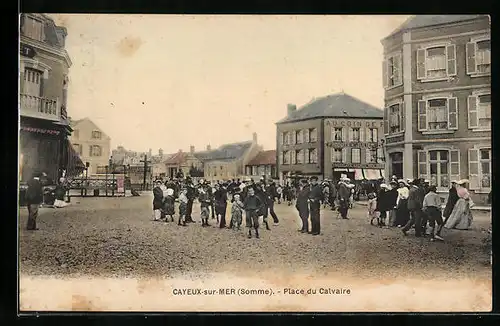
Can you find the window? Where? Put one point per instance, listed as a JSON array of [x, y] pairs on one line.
[[300, 156], [293, 157], [313, 135], [372, 135], [262, 170], [480, 168], [254, 170], [338, 134], [33, 28], [437, 114], [395, 118], [337, 155], [355, 155], [95, 150], [286, 157], [96, 134], [312, 155], [436, 62], [371, 155], [78, 148], [76, 133], [479, 107], [391, 71], [355, 134], [32, 82], [396, 164], [298, 137], [438, 167], [478, 55]]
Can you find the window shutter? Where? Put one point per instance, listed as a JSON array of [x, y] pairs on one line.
[[380, 155], [293, 157], [332, 154], [397, 70], [344, 134], [402, 116], [472, 109], [451, 57], [368, 155], [452, 113], [281, 138], [421, 64], [455, 164], [384, 74], [422, 164], [90, 150], [470, 54], [361, 134], [304, 156], [351, 135], [386, 121], [422, 115], [306, 135], [474, 168], [344, 155], [281, 158]]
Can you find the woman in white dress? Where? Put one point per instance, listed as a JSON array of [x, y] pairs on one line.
[[461, 216]]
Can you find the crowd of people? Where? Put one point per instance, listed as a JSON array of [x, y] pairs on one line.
[[415, 203]]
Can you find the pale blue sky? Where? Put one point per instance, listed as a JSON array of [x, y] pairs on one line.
[[215, 79]]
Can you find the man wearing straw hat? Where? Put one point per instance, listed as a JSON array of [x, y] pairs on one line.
[[344, 194]]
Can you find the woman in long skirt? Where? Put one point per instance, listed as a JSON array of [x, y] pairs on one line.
[[461, 215]]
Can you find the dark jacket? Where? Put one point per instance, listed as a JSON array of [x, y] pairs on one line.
[[220, 196], [450, 202], [157, 198], [60, 191], [315, 195], [253, 203], [415, 198], [344, 192], [34, 193], [302, 204], [382, 201], [392, 198]]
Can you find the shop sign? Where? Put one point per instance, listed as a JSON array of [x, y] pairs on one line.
[[374, 166], [341, 144], [392, 140], [355, 123], [41, 130]]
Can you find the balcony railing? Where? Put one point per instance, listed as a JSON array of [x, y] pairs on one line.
[[39, 107]]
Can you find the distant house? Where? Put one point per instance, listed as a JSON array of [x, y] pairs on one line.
[[229, 160], [264, 164], [91, 143], [185, 162]]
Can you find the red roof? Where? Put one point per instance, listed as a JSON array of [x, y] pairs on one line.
[[177, 158], [264, 158]]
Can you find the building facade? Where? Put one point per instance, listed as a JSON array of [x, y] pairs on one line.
[[437, 117], [262, 165], [91, 143], [187, 163], [44, 67], [306, 139]]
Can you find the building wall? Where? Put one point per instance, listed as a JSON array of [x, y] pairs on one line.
[[305, 168], [457, 138], [348, 144], [82, 135]]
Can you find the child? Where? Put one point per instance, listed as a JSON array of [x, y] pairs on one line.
[[373, 215], [183, 200], [205, 203], [432, 208], [236, 212], [157, 201], [253, 205], [169, 204]]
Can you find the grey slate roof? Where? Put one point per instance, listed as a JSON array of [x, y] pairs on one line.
[[418, 21], [225, 152], [339, 105]]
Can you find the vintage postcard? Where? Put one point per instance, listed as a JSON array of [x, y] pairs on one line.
[[254, 163]]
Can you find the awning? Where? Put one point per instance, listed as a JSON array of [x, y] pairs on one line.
[[371, 174], [358, 174], [75, 165]]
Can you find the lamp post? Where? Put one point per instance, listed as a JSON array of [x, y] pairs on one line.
[[111, 166]]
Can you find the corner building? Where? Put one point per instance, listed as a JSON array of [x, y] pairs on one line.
[[437, 116]]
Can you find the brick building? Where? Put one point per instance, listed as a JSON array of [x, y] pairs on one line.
[[437, 117], [262, 165], [332, 135], [44, 127]]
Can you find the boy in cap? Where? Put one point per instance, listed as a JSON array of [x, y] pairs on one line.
[[157, 200], [253, 205], [432, 208], [205, 202]]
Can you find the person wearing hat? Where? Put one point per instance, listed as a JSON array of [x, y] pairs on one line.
[[344, 194], [383, 204], [302, 205], [450, 204], [315, 198], [402, 213], [220, 201], [191, 195], [157, 200], [432, 208], [271, 193], [415, 200], [461, 215], [34, 197], [183, 201], [392, 199], [205, 202]]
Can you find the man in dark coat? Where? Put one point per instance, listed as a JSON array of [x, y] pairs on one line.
[[415, 201], [302, 205], [261, 193], [34, 197], [392, 199], [315, 198], [191, 195], [271, 194], [344, 193], [220, 202], [157, 200], [382, 204]]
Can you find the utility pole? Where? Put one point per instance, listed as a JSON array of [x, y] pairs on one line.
[[145, 161]]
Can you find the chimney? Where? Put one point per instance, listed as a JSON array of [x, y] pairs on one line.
[[254, 135], [291, 108], [191, 149], [160, 152], [209, 148], [150, 153]]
